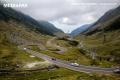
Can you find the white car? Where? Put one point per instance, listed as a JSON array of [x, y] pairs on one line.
[[24, 48], [116, 71], [75, 64]]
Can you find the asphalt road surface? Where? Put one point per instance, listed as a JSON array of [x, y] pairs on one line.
[[68, 65], [60, 48]]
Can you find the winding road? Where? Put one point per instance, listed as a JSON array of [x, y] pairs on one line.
[[61, 49], [66, 64]]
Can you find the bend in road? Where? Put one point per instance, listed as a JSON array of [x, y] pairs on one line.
[[66, 64]]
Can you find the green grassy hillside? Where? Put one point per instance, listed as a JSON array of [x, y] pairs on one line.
[[103, 39], [13, 34], [106, 46]]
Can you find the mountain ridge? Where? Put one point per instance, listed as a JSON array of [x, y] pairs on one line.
[[8, 13], [107, 19], [80, 30]]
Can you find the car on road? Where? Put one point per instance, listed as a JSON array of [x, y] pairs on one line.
[[54, 59], [75, 64], [24, 48], [117, 70]]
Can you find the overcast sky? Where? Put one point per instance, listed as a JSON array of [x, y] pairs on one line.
[[67, 14]]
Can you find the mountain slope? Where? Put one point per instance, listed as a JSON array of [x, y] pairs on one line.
[[18, 29], [15, 30], [8, 14], [80, 30], [49, 28], [106, 22], [104, 37]]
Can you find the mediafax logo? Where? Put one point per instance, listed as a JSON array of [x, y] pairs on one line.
[[14, 4]]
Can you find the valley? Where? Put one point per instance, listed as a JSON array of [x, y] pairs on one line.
[[31, 50]]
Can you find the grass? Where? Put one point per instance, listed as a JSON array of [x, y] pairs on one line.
[[72, 54], [66, 42], [33, 47], [10, 56], [108, 50], [59, 74]]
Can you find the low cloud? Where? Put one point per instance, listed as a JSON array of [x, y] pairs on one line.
[[74, 11]]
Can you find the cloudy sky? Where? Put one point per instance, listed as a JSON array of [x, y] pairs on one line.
[[67, 14]]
